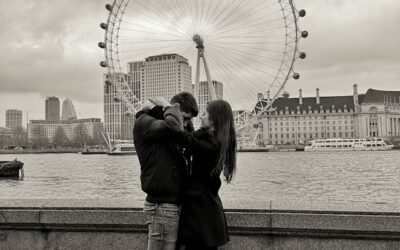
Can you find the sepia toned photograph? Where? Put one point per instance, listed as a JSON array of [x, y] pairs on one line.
[[200, 125]]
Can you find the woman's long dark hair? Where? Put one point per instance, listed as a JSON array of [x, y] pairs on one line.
[[221, 116]]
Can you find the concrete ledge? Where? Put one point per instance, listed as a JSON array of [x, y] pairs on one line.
[[45, 224]]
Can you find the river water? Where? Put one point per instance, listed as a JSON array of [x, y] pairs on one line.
[[301, 176]]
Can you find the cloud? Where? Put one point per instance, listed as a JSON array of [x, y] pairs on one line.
[[50, 47]]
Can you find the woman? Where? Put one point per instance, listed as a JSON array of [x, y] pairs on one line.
[[213, 151]]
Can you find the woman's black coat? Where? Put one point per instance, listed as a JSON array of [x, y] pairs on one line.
[[202, 219]]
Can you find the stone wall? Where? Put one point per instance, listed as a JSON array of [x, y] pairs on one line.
[[115, 224]]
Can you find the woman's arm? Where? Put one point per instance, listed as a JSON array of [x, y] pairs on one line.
[[198, 145]]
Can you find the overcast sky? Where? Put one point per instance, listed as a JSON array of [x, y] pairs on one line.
[[50, 48]]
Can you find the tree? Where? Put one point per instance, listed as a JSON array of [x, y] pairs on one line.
[[81, 136], [39, 138], [60, 138], [97, 138], [19, 136]]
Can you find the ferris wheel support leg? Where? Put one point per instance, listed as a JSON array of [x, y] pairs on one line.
[[209, 80], [196, 83]]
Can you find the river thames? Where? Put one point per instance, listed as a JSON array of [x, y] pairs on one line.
[[372, 177]]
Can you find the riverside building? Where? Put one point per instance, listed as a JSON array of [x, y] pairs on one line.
[[118, 120], [52, 109], [203, 96], [297, 120], [13, 118], [68, 110], [165, 75], [91, 128]]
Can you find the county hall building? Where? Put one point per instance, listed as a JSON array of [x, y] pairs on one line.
[[297, 120]]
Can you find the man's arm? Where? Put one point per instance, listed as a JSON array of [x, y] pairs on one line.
[[156, 130]]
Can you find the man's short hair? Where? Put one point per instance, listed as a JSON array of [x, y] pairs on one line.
[[187, 103]]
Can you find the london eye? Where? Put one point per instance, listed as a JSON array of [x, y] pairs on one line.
[[250, 46]]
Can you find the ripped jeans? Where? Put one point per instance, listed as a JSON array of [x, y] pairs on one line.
[[162, 221]]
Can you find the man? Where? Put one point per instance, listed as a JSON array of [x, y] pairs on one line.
[[162, 165]]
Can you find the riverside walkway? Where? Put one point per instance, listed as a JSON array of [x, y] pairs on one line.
[[120, 224]]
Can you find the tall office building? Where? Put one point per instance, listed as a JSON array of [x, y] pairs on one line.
[[68, 110], [118, 121], [161, 75], [13, 118], [203, 96], [52, 109], [136, 72], [165, 75]]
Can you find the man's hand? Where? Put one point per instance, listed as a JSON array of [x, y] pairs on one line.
[[160, 101], [148, 104]]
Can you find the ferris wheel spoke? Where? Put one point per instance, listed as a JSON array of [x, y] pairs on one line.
[[228, 76], [147, 51], [180, 13], [129, 41], [252, 11], [246, 55], [229, 61], [154, 20], [151, 27], [247, 32], [170, 12], [212, 18], [257, 46], [229, 15], [269, 51]]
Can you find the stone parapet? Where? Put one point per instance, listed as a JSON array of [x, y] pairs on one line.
[[120, 224]]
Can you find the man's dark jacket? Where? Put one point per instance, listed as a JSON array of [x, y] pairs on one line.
[[162, 164]]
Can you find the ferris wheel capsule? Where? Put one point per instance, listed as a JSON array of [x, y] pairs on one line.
[[103, 64], [302, 55], [296, 76], [109, 7], [103, 26], [108, 82], [102, 45], [302, 13], [117, 99], [304, 34]]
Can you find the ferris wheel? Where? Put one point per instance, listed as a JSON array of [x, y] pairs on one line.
[[250, 46]]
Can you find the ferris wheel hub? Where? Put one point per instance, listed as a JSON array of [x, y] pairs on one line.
[[199, 41]]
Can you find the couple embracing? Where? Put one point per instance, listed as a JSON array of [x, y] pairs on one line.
[[181, 168]]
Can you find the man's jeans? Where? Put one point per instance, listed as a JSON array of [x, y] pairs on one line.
[[163, 221]]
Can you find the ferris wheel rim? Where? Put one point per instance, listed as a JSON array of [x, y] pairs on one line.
[[116, 15]]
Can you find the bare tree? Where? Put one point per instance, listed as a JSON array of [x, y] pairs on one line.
[[60, 138]]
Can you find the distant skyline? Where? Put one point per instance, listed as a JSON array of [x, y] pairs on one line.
[[49, 48]]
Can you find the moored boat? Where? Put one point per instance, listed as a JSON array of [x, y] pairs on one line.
[[337, 144], [122, 148], [90, 150], [11, 168]]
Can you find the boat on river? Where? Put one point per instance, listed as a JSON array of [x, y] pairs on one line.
[[337, 144], [122, 147], [91, 150], [11, 168]]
